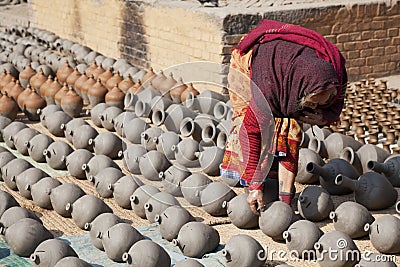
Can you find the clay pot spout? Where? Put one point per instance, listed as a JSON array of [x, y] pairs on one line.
[[344, 181]]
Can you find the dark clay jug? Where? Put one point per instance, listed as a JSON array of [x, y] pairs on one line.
[[56, 154], [146, 253], [334, 144], [104, 180], [124, 188], [27, 178], [152, 163], [11, 170], [243, 250], [157, 203], [275, 219], [6, 201], [192, 186], [306, 156], [75, 160], [239, 212], [314, 203], [64, 194], [140, 197], [131, 157], [171, 221], [213, 196], [40, 192], [384, 234], [390, 168], [172, 178], [37, 145], [328, 173], [97, 163], [371, 190], [360, 158], [50, 251]]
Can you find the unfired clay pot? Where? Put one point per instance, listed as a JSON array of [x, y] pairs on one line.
[[107, 144], [171, 221], [50, 251], [104, 180], [239, 212], [314, 203], [8, 107], [41, 192], [75, 160], [157, 203], [210, 159], [172, 178], [11, 170], [107, 116], [333, 144], [95, 113], [360, 158], [82, 135], [70, 127], [54, 122], [275, 219], [56, 155], [120, 121], [22, 137], [384, 234], [147, 253], [6, 201], [131, 157], [97, 163], [140, 197], [306, 156], [185, 153], [133, 129], [192, 186], [49, 109], [37, 145], [124, 188], [4, 121], [27, 178], [10, 130], [64, 194], [213, 196], [243, 250], [14, 214], [149, 137], [152, 163], [5, 157], [164, 143], [390, 168]]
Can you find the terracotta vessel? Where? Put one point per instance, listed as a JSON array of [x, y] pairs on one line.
[[8, 107], [164, 143], [390, 168], [333, 144], [133, 129], [107, 144], [44, 87], [60, 94], [172, 179], [157, 203], [27, 178], [131, 157], [360, 158], [96, 93], [49, 109], [104, 180], [306, 156], [146, 253], [64, 71], [54, 122], [11, 170], [107, 116], [177, 90], [22, 137], [120, 121], [26, 74], [70, 127], [95, 113], [56, 154], [7, 201], [185, 153], [114, 80], [152, 163], [115, 97], [10, 130], [97, 163], [72, 103], [82, 135], [37, 145], [243, 250]]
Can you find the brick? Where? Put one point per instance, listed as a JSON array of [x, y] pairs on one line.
[[380, 34], [390, 50], [366, 35], [379, 42], [343, 37], [356, 62], [331, 38], [378, 68], [395, 41], [378, 51], [361, 45], [390, 66], [353, 71], [355, 36], [353, 54], [366, 53], [349, 46], [232, 39], [324, 30], [365, 69], [393, 32], [374, 60]]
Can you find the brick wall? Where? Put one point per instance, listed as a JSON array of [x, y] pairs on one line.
[[165, 34]]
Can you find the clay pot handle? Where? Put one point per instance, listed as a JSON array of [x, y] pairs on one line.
[[174, 148], [133, 199], [225, 253], [286, 236], [87, 226], [126, 257], [157, 218], [332, 215], [367, 227], [318, 246], [398, 207], [35, 258], [120, 154]]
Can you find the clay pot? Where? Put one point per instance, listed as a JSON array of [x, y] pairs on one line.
[[243, 250], [157, 204], [360, 158], [25, 235], [140, 197], [14, 214], [96, 93], [301, 237], [72, 103], [314, 203], [64, 194], [172, 178], [27, 178], [371, 190], [70, 127], [126, 83], [188, 262], [172, 117], [84, 88], [121, 120], [75, 160], [26, 74], [339, 242], [123, 189], [103, 180], [164, 143], [239, 212], [10, 131], [107, 144], [95, 113], [5, 157], [72, 261], [171, 221], [50, 251], [99, 226], [118, 239], [81, 136], [384, 234], [44, 87], [210, 159], [4, 122], [8, 107], [145, 108], [6, 201], [49, 109], [56, 155], [145, 96], [22, 96], [107, 117], [306, 156], [350, 218], [390, 168], [146, 253], [149, 137], [71, 79], [40, 192], [192, 186], [115, 97], [319, 133], [64, 71], [275, 219], [97, 163], [86, 208], [221, 110], [213, 196], [131, 158], [61, 94], [22, 137], [51, 91], [165, 86], [152, 163], [176, 91], [37, 145], [37, 80], [15, 91], [54, 122], [133, 130], [201, 128], [105, 76], [195, 239], [185, 153], [328, 173], [11, 170], [205, 101], [113, 81]]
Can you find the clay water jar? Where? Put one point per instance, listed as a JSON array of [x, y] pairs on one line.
[[210, 159], [306, 156], [11, 170], [37, 80], [172, 178], [172, 116], [25, 235], [39, 143], [126, 83], [133, 130], [105, 76], [72, 103], [104, 180], [114, 80], [157, 203], [167, 84], [314, 203], [145, 96], [22, 137], [360, 158], [70, 127], [243, 250], [64, 194], [213, 196], [145, 108], [64, 71], [340, 242], [157, 80], [185, 153], [8, 87], [205, 101], [5, 157], [91, 81], [148, 75], [54, 122], [15, 91], [301, 237], [71, 79], [6, 201], [152, 163], [49, 109], [177, 90], [239, 212], [44, 87], [140, 196], [4, 122], [22, 96], [27, 178], [50, 251], [171, 221], [119, 239], [97, 163], [97, 72], [201, 128], [14, 214], [195, 239], [107, 144], [192, 187], [97, 93], [221, 110], [164, 143], [80, 82], [99, 226], [124, 188], [40, 192], [146, 253], [149, 137], [107, 116], [329, 171], [350, 218], [115, 97], [11, 130], [275, 219], [95, 113], [371, 190], [26, 74], [32, 103], [60, 94], [384, 234], [75, 160], [132, 154], [120, 120], [8, 107], [56, 154], [390, 168], [81, 136]]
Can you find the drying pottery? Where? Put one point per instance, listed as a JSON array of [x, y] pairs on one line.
[[221, 110], [11, 130], [8, 107], [131, 157], [126, 83], [50, 251], [192, 186], [37, 145], [14, 214], [172, 116], [64, 71], [333, 144], [158, 102], [32, 103], [316, 131], [86, 208], [56, 154], [201, 128], [171, 221], [124, 188], [97, 163], [22, 96], [38, 79], [371, 190], [96, 93], [133, 130], [26, 74], [99, 226], [301, 236], [95, 113], [314, 203], [60, 94], [75, 160], [239, 212], [118, 239], [205, 101], [390, 168], [275, 219], [115, 97], [11, 170], [5, 157], [384, 234], [328, 173], [4, 122], [140, 197], [63, 194], [350, 218], [149, 137], [213, 196], [54, 122], [22, 137], [41, 192], [107, 144], [113, 81], [188, 262], [71, 79], [165, 142], [51, 91], [108, 115], [342, 244], [360, 158], [243, 250], [185, 153], [223, 130], [72, 262], [152, 163], [172, 178], [306, 156], [72, 103], [103, 179], [25, 235], [121, 120], [196, 239], [210, 159], [157, 204], [81, 136], [6, 201], [43, 113], [147, 253], [27, 178], [70, 127]]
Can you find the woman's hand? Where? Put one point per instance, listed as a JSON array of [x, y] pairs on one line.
[[313, 117], [255, 201]]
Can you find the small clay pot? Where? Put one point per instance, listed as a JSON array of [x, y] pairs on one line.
[[27, 178], [140, 197], [56, 155], [10, 131], [115, 97], [108, 115], [22, 137], [275, 219], [384, 234], [51, 92], [95, 113], [4, 122], [14, 214], [132, 154], [50, 251], [104, 180], [37, 145], [114, 80], [124, 188], [120, 121], [26, 74], [107, 144], [152, 163], [5, 157], [54, 122], [40, 192], [165, 142], [146, 253], [210, 159], [239, 212], [149, 137], [314, 203], [171, 221], [70, 127], [60, 94], [185, 153], [157, 203], [214, 195], [75, 160], [49, 109], [81, 136], [133, 129], [6, 201], [172, 179], [11, 170], [63, 194], [8, 107], [96, 164], [243, 250], [96, 93], [192, 186], [72, 103]]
